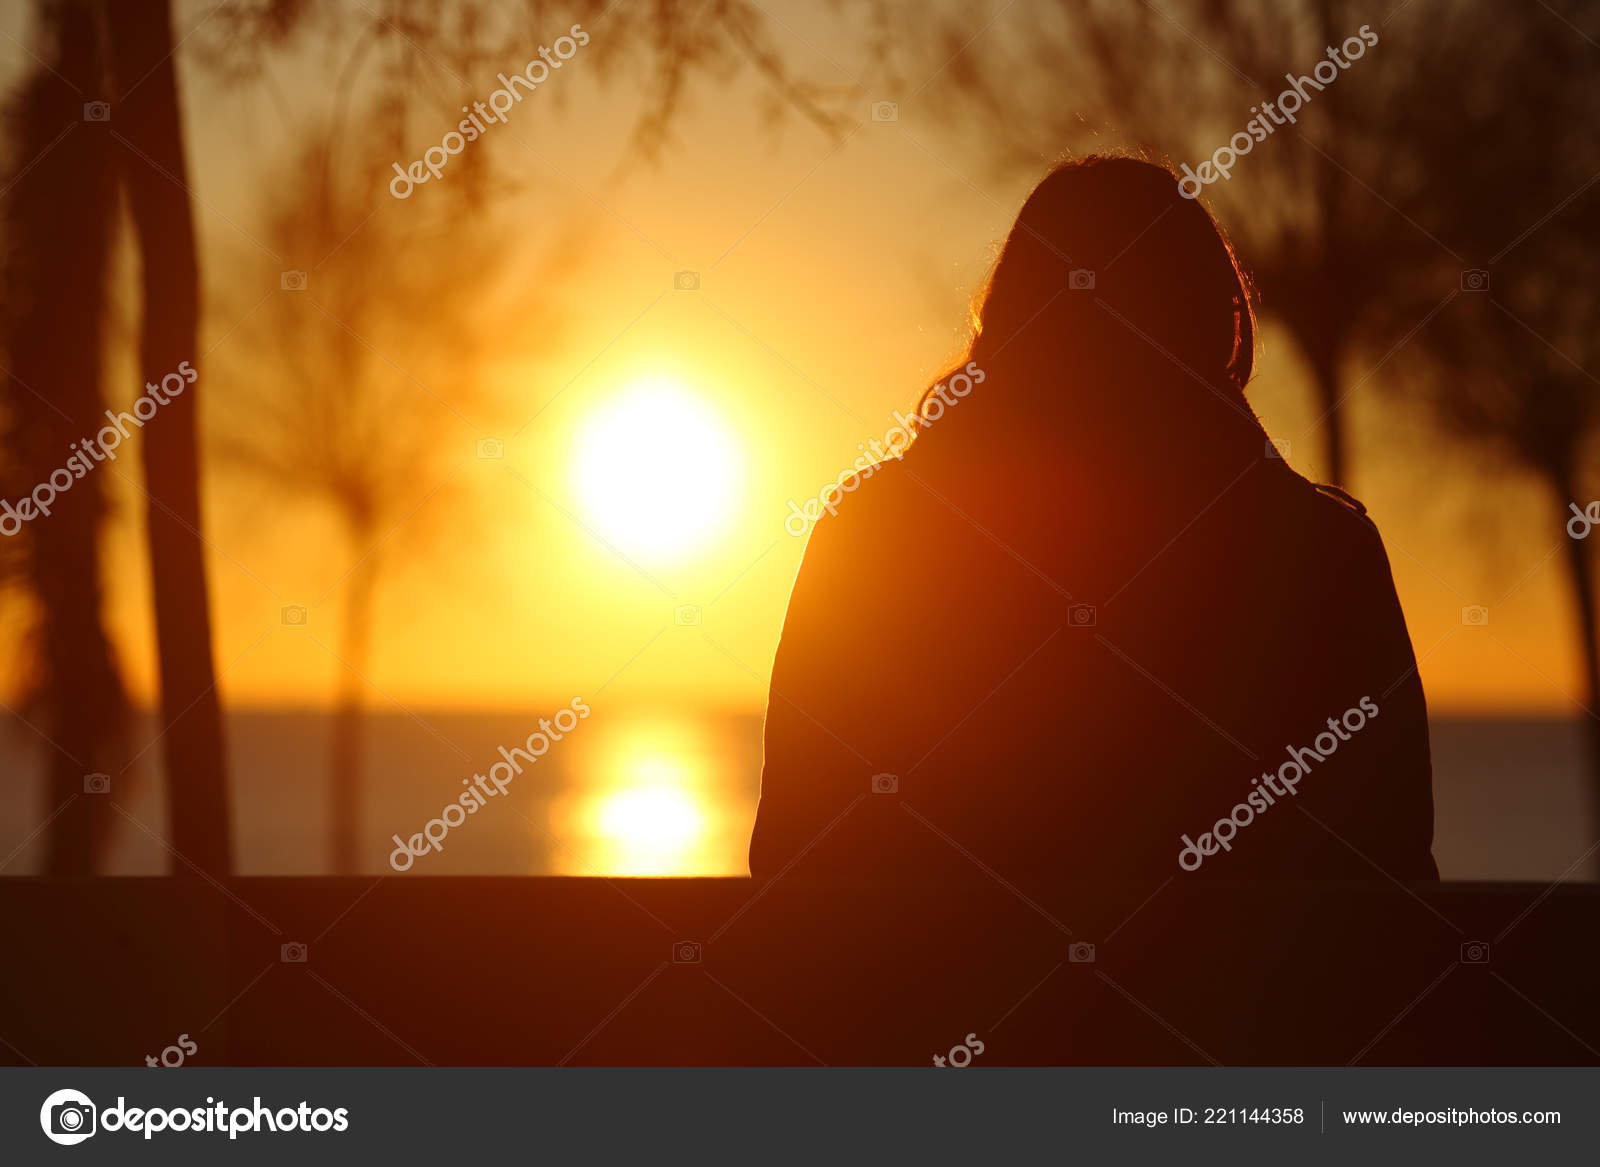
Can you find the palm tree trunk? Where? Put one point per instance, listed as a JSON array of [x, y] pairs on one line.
[[147, 124]]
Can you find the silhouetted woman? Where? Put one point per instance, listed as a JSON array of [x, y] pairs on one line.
[[1090, 624]]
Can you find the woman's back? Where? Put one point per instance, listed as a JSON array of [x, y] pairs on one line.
[[1101, 636], [1064, 676]]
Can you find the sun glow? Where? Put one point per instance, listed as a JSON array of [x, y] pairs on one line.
[[654, 825], [660, 795], [652, 831], [657, 470]]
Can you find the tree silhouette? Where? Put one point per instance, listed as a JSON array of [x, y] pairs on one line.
[[155, 177], [347, 391], [1509, 369], [58, 214], [1511, 362]]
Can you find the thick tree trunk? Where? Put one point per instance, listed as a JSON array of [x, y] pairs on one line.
[[60, 220], [347, 755], [146, 121]]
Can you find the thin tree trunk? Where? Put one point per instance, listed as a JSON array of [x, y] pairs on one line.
[[147, 124], [346, 757], [1580, 573]]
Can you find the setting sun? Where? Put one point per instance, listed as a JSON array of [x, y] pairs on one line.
[[657, 470]]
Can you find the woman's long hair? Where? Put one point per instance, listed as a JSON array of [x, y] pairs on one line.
[[1112, 287]]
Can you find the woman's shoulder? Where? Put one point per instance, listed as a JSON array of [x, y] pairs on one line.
[[868, 495], [1330, 543], [903, 511], [1321, 505], [1348, 504]]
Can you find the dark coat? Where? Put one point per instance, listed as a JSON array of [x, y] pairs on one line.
[[1072, 667]]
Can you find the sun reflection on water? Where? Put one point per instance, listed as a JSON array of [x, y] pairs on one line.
[[654, 798]]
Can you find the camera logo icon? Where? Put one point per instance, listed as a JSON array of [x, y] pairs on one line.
[[97, 783], [1082, 615], [686, 615], [292, 281], [1474, 279], [1475, 952], [885, 111], [686, 281], [96, 111], [293, 953], [1278, 448], [1475, 616], [686, 952], [1080, 279], [886, 784], [293, 616], [491, 448], [67, 1117], [1081, 953]]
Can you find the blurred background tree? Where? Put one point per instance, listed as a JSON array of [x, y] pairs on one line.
[[1508, 369], [337, 396], [1510, 365], [59, 208]]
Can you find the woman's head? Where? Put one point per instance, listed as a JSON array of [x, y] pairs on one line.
[[1112, 279]]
